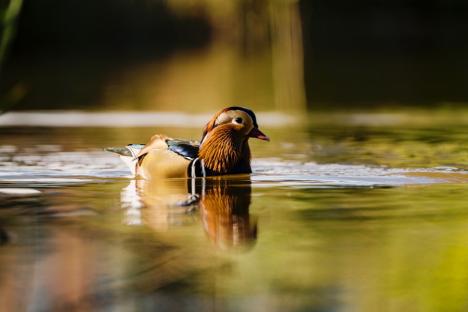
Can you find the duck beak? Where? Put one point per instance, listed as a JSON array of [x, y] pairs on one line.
[[256, 133]]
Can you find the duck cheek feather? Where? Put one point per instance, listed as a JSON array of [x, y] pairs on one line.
[[224, 152]]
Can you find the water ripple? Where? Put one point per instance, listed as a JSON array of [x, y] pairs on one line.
[[94, 166]]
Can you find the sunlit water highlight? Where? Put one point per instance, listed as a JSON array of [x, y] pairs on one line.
[[120, 119], [94, 166]]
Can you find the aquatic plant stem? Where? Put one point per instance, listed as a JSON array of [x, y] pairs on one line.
[[8, 20]]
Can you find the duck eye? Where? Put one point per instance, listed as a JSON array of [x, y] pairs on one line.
[[238, 120]]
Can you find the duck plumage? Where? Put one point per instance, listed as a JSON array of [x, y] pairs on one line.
[[223, 149]]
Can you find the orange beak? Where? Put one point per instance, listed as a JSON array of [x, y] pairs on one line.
[[256, 133]]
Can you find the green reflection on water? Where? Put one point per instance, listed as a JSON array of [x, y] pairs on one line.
[[247, 245], [325, 248]]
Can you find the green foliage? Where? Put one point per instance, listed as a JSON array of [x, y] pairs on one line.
[[8, 18]]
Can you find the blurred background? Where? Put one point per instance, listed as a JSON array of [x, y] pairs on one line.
[[202, 55], [359, 206]]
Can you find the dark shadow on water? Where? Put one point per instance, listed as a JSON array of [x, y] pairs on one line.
[[4, 237]]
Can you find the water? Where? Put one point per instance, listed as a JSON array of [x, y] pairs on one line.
[[344, 212]]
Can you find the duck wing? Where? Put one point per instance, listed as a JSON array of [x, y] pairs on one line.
[[131, 150], [164, 155], [128, 154], [186, 149]]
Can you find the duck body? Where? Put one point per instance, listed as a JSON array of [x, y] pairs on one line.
[[223, 149], [164, 157]]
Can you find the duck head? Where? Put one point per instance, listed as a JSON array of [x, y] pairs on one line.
[[224, 146]]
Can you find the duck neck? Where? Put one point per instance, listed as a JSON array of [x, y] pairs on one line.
[[224, 151]]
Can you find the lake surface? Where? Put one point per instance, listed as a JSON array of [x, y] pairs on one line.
[[344, 212]]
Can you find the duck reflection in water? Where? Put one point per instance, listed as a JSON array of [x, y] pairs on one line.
[[223, 206]]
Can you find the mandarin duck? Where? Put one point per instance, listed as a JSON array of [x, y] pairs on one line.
[[223, 149]]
